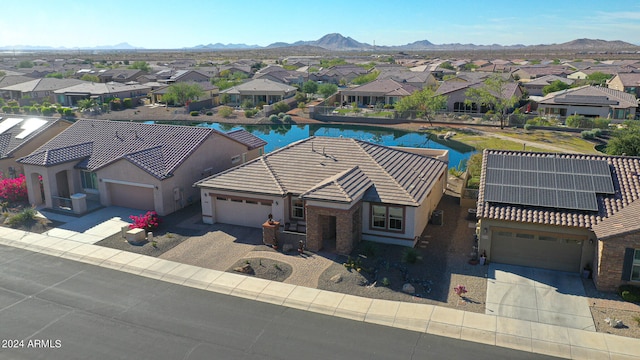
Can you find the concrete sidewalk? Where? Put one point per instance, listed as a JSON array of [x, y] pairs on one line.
[[482, 328]]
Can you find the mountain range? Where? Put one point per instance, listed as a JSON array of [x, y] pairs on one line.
[[338, 42]]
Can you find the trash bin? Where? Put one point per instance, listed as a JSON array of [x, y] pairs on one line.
[[471, 214], [436, 217]]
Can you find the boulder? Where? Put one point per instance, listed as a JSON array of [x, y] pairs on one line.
[[245, 269], [408, 289], [336, 278]]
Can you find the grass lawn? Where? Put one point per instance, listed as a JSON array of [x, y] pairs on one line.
[[487, 142], [564, 140]]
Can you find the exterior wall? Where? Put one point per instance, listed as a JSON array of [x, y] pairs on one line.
[[607, 272], [458, 97], [579, 110], [615, 83], [30, 146], [424, 211], [124, 172], [405, 238], [486, 227], [50, 183]]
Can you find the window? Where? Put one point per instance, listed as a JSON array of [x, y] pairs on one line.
[[89, 180], [635, 267], [525, 236], [297, 208], [387, 217], [236, 159]]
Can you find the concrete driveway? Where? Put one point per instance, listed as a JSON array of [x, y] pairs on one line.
[[544, 296]]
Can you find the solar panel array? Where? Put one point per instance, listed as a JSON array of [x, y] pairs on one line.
[[546, 181]]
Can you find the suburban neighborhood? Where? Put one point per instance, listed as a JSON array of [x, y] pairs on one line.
[[474, 196]]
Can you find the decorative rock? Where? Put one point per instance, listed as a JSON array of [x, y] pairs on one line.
[[336, 278], [287, 247], [408, 289], [245, 269]]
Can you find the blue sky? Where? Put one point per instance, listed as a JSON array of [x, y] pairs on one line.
[[177, 24]]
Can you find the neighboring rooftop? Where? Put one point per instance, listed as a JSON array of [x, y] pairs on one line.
[[247, 138]]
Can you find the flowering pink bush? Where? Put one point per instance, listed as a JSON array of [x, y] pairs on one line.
[[460, 290], [13, 190], [149, 221]]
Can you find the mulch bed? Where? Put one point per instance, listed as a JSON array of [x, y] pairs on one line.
[[38, 225], [267, 269]]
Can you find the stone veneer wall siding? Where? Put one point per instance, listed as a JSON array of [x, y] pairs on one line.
[[610, 259], [345, 239]]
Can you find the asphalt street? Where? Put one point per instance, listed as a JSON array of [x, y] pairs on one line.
[[52, 308]]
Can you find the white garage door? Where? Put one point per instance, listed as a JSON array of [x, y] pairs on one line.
[[243, 212], [551, 251], [135, 197]]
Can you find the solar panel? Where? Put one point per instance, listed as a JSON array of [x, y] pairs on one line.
[[603, 185], [565, 181], [495, 161], [529, 196], [600, 167], [529, 179], [511, 194], [547, 198], [493, 193], [546, 164], [583, 182], [564, 165], [586, 201], [9, 123], [29, 126], [567, 199], [547, 181]]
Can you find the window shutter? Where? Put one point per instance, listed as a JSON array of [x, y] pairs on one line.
[[627, 264]]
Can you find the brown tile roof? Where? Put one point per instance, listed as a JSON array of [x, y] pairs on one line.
[[246, 138], [591, 95], [399, 177], [346, 186], [93, 144], [626, 182], [382, 87], [623, 222]]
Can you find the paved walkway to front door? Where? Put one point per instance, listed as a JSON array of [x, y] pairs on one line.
[[538, 295]]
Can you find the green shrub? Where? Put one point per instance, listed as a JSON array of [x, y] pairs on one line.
[[68, 112], [249, 113], [47, 111], [281, 107], [601, 123], [260, 105], [6, 109], [287, 118], [24, 217], [127, 103], [246, 104], [15, 109], [386, 282], [281, 115], [116, 104], [194, 113], [34, 110], [410, 256], [225, 111], [630, 293], [60, 110], [388, 106], [528, 126], [209, 113], [274, 118], [587, 135]]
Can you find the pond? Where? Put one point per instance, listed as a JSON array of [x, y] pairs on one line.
[[278, 136]]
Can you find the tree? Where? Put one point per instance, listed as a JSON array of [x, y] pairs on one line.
[[86, 104], [625, 142], [310, 87], [494, 94], [56, 75], [225, 98], [446, 65], [598, 78], [557, 85], [88, 77], [366, 78], [579, 121], [424, 102], [225, 111], [280, 107], [327, 90], [179, 93], [140, 65], [25, 64]]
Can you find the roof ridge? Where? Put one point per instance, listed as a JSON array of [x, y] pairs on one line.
[[275, 177], [384, 171], [333, 179]]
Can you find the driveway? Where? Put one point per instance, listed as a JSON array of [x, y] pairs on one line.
[[539, 295]]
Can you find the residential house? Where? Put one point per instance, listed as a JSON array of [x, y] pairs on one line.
[[535, 86], [259, 91], [627, 82], [590, 101], [562, 212], [336, 190], [136, 165], [20, 136], [172, 76], [120, 75], [456, 93], [38, 90], [101, 92], [384, 92], [403, 75], [525, 73], [281, 75], [210, 91], [605, 69], [339, 74]]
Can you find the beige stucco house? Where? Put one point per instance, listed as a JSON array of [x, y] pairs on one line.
[[20, 136], [259, 90], [563, 212], [385, 91], [336, 190], [590, 101], [135, 165], [627, 82]]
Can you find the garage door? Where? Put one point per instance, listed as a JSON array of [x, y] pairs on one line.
[[243, 212], [135, 197], [543, 251]]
